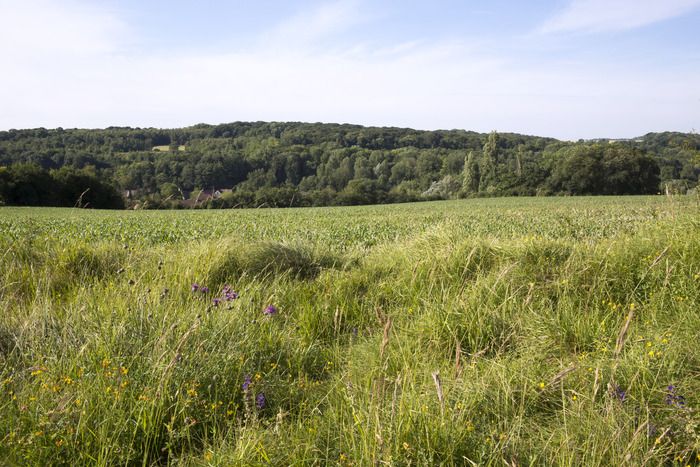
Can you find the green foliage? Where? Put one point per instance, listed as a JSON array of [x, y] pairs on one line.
[[269, 259], [471, 176], [297, 164], [604, 169], [30, 185]]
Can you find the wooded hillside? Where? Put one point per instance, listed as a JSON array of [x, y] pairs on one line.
[[303, 164]]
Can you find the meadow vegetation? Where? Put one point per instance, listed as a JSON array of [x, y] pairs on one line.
[[526, 331]]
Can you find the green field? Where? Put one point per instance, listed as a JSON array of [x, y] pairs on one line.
[[166, 148], [493, 332]]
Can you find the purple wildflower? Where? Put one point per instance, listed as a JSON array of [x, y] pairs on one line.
[[216, 301], [195, 287], [673, 398], [204, 289], [260, 401], [228, 293], [620, 394], [270, 310], [247, 382]]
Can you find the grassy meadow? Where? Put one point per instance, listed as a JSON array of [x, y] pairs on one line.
[[526, 331]]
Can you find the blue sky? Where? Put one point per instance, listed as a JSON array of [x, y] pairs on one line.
[[564, 68]]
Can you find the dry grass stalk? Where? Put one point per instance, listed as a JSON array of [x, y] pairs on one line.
[[458, 357], [385, 337], [596, 383], [622, 337], [438, 389], [560, 376]]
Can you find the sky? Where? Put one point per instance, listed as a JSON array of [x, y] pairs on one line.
[[568, 69]]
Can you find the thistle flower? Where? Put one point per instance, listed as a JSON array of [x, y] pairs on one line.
[[228, 293], [673, 398], [260, 401], [620, 394], [247, 382]]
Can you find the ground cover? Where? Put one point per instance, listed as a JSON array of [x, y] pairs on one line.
[[518, 331]]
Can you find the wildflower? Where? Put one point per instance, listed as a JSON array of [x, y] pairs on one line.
[[673, 398], [620, 394], [195, 287], [247, 382], [216, 301], [260, 401], [270, 310], [204, 289], [541, 385], [228, 293]]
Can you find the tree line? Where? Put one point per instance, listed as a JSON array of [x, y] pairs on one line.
[[257, 164]]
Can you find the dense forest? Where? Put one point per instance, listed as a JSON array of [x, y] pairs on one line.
[[301, 164]]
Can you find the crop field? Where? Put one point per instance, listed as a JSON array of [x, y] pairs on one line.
[[512, 331]]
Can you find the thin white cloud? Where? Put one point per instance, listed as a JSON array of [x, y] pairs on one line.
[[615, 15], [309, 27], [421, 85], [39, 29]]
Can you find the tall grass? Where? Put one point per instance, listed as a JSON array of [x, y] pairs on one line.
[[489, 332]]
